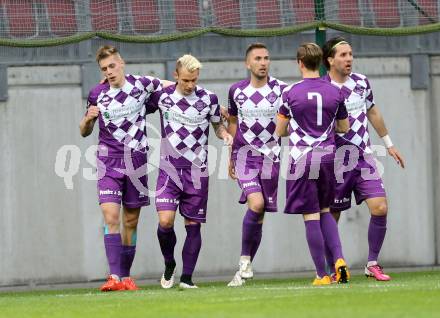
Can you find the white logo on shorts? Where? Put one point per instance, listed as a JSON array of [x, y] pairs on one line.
[[343, 200], [250, 184], [110, 192]]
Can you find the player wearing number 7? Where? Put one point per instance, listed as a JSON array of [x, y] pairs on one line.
[[311, 111]]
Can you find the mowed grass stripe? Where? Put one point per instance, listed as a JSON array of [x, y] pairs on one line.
[[407, 295]]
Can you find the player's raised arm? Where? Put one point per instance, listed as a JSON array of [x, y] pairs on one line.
[[377, 121], [88, 121]]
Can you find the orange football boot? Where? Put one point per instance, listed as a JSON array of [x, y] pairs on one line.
[[112, 284]]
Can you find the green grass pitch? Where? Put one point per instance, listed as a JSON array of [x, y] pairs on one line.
[[412, 295]]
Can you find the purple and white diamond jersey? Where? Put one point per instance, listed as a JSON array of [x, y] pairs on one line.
[[185, 124], [122, 114], [256, 109], [358, 100], [312, 105]]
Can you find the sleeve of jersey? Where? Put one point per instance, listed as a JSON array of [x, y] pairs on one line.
[[152, 103], [232, 106], [282, 86], [342, 112], [151, 84], [284, 110], [369, 100], [92, 99], [214, 114]]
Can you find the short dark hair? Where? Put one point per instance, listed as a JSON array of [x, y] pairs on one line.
[[253, 46], [329, 49], [106, 51], [310, 54]]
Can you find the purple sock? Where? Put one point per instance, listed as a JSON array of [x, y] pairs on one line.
[[316, 245], [167, 242], [330, 232], [257, 239], [329, 259], [249, 232], [127, 257], [376, 236], [113, 249], [191, 248]]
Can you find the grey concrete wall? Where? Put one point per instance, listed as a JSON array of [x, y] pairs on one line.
[[50, 233], [435, 146]]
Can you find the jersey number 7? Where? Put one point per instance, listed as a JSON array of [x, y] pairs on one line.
[[318, 96]]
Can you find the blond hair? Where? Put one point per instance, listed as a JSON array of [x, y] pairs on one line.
[[189, 62]]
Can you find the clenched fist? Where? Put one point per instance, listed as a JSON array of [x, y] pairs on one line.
[[92, 112]]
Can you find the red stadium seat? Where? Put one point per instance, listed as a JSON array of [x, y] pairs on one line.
[[21, 18], [304, 11], [386, 13], [187, 14], [145, 16], [227, 13], [268, 14], [430, 7], [349, 12], [62, 17], [104, 15]]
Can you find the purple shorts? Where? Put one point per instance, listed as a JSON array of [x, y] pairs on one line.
[[185, 189], [364, 181], [119, 182], [258, 177], [311, 192]]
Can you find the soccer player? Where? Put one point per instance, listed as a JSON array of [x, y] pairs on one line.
[[185, 112], [118, 105], [253, 105], [312, 109], [338, 59]]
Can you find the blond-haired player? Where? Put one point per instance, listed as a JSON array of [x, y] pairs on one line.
[[186, 110]]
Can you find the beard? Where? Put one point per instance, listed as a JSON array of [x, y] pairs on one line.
[[345, 70], [260, 77]]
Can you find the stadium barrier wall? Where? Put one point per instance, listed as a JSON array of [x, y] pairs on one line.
[[49, 233]]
